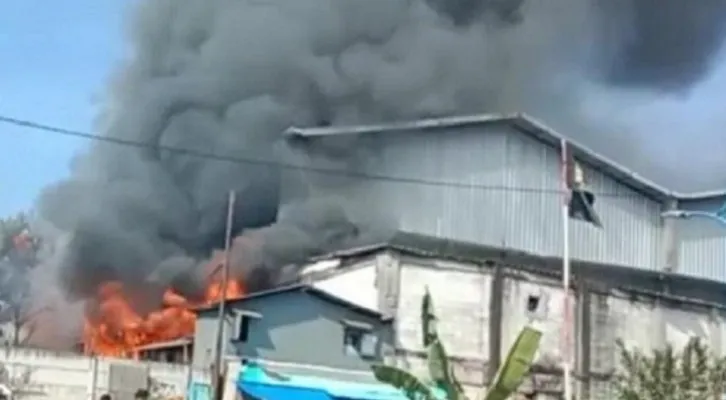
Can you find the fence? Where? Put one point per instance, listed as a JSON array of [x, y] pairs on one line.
[[39, 374]]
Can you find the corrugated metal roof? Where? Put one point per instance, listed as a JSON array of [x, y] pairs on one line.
[[301, 287], [683, 287], [525, 124]]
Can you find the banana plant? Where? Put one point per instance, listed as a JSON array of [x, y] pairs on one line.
[[441, 374], [516, 365]]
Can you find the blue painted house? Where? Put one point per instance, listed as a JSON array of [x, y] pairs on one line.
[[296, 324]]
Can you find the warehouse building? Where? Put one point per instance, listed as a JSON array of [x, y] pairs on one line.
[[495, 180], [485, 294]]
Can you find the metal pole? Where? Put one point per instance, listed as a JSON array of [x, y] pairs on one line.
[[566, 320], [217, 382], [566, 367], [94, 376]]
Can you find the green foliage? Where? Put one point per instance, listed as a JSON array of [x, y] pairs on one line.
[[414, 388], [10, 227], [691, 374], [428, 320], [516, 365], [441, 373]]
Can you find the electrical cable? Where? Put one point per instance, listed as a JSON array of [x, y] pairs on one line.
[[250, 161]]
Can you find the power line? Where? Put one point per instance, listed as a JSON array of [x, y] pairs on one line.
[[250, 161]]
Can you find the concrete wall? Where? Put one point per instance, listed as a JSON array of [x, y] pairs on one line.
[[294, 327], [39, 374], [483, 307]]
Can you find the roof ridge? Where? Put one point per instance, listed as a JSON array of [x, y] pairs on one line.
[[521, 121]]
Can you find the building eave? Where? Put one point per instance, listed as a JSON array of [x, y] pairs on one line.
[[628, 279], [525, 124], [304, 288]]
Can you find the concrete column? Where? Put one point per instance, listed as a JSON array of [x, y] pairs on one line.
[[496, 302], [714, 320], [671, 259], [388, 275], [583, 339], [671, 243]]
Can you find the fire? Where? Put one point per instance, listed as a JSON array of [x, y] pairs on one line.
[[115, 329]]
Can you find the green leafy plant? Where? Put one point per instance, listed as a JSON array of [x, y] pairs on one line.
[[10, 227], [441, 374], [693, 373]]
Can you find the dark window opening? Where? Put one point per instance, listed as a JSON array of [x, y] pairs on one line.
[[359, 342], [242, 328], [532, 303]]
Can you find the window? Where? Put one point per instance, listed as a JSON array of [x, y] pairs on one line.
[[359, 339], [532, 303], [242, 328], [537, 306]]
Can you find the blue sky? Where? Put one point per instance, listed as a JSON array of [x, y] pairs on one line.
[[56, 57]]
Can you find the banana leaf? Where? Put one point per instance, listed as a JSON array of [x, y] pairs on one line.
[[516, 365], [403, 380], [428, 320], [441, 372]]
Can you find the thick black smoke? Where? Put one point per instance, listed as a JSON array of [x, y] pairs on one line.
[[229, 76], [663, 44]]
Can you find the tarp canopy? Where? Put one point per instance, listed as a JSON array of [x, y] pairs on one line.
[[199, 391], [255, 381]]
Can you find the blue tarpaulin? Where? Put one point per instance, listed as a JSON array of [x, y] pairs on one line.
[[254, 380], [199, 391]]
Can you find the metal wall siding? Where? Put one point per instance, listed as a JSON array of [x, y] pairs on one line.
[[702, 243], [504, 190], [488, 185]]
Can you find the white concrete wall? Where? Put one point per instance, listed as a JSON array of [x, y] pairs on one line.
[[357, 286], [461, 294], [39, 374], [548, 316], [647, 325]]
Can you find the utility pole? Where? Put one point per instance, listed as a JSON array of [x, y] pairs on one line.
[[567, 320], [217, 366]]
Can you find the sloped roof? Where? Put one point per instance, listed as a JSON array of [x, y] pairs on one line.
[[636, 280], [525, 124], [303, 288]]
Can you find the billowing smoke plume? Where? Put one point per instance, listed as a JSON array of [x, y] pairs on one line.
[[229, 76]]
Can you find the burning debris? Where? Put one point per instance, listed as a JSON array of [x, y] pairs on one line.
[[229, 76], [113, 327]]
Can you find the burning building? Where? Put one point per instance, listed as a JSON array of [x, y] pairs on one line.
[[200, 105]]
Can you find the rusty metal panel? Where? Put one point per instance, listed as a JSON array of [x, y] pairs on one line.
[[125, 379]]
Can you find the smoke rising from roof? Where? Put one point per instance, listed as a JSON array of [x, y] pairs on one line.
[[228, 76]]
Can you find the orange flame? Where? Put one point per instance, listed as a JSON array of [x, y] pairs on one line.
[[115, 329]]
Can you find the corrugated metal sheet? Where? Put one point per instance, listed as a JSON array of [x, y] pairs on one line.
[[702, 242], [497, 187]]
